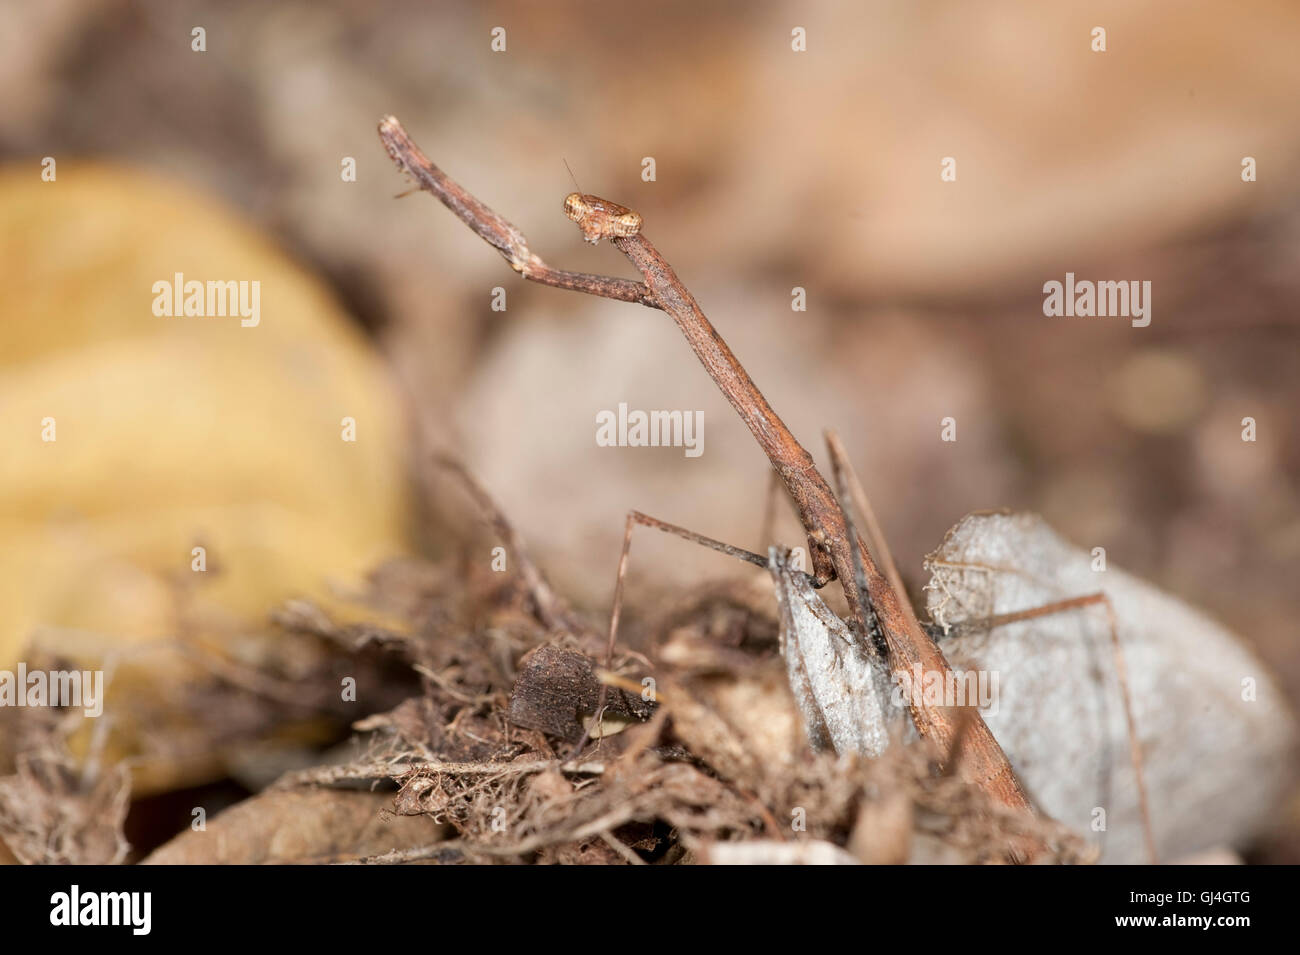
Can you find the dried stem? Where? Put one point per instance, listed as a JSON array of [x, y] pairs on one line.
[[551, 609], [833, 549], [388, 769]]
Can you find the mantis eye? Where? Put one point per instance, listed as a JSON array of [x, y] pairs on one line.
[[629, 223], [575, 207]]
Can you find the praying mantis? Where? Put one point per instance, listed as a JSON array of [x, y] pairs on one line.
[[840, 670]]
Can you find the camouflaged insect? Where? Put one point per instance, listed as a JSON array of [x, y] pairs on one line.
[[599, 218]]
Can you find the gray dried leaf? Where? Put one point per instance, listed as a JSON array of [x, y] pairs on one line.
[[842, 690], [1215, 731]]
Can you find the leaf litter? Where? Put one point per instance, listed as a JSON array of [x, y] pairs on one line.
[[711, 761]]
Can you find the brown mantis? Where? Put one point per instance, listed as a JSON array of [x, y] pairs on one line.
[[875, 607], [881, 621]]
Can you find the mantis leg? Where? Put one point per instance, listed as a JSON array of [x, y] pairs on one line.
[[635, 518], [1135, 746]]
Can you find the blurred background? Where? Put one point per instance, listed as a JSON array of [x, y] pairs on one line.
[[774, 169]]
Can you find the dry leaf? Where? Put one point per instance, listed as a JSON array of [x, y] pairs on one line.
[[52, 812], [842, 689], [1214, 730], [1215, 761], [299, 826]]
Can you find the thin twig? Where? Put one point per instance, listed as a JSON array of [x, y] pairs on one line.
[[552, 610], [451, 849], [378, 769]]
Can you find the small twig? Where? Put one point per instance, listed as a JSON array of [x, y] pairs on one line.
[[598, 827], [447, 686], [552, 610], [451, 849], [328, 775], [378, 769]]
